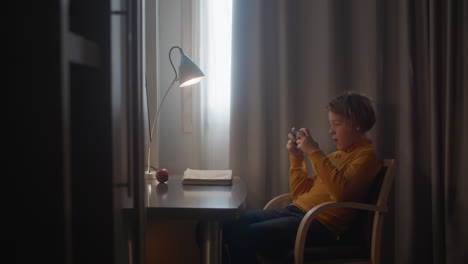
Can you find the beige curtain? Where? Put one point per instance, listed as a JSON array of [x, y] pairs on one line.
[[434, 142], [273, 88], [291, 57]]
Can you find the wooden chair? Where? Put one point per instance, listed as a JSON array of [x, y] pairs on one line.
[[367, 225]]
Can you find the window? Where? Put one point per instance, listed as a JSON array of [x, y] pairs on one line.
[[215, 21]]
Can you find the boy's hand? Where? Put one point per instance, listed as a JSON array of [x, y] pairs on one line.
[[305, 142], [292, 146]]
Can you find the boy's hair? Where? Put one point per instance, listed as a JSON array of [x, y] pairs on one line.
[[356, 108]]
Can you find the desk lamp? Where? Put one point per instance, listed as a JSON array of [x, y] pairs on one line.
[[189, 74]]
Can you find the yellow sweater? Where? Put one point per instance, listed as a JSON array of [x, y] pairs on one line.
[[342, 176]]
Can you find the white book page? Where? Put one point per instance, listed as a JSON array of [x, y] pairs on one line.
[[208, 174]]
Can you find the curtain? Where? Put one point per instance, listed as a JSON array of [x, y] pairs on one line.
[[435, 142], [271, 80], [212, 105], [291, 57]]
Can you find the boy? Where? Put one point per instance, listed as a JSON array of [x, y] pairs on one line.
[[344, 175]]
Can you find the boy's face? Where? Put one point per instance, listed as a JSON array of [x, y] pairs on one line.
[[343, 133]]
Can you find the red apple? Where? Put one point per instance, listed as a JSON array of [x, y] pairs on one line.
[[162, 175]]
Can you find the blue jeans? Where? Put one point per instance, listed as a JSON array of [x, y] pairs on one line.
[[269, 233]]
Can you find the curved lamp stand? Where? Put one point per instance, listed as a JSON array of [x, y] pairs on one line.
[[189, 74]]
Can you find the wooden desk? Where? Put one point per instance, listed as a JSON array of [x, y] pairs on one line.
[[208, 204]]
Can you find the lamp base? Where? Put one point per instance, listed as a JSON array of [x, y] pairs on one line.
[[150, 175]]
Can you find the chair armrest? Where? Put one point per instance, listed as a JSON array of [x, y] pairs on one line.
[[312, 214], [277, 200]]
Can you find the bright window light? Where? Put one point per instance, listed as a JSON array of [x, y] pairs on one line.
[[215, 51]]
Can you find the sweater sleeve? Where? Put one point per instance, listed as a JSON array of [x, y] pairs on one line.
[[346, 183], [299, 182]]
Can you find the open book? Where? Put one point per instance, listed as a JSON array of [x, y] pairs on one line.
[[209, 177]]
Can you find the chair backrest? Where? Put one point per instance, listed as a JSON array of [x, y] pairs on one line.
[[384, 191], [361, 229], [376, 187], [387, 181], [363, 239], [367, 225]]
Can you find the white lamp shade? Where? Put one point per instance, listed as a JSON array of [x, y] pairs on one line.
[[189, 73]]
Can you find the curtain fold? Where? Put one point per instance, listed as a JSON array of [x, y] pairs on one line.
[[271, 62], [212, 107], [291, 57], [437, 56], [253, 90]]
